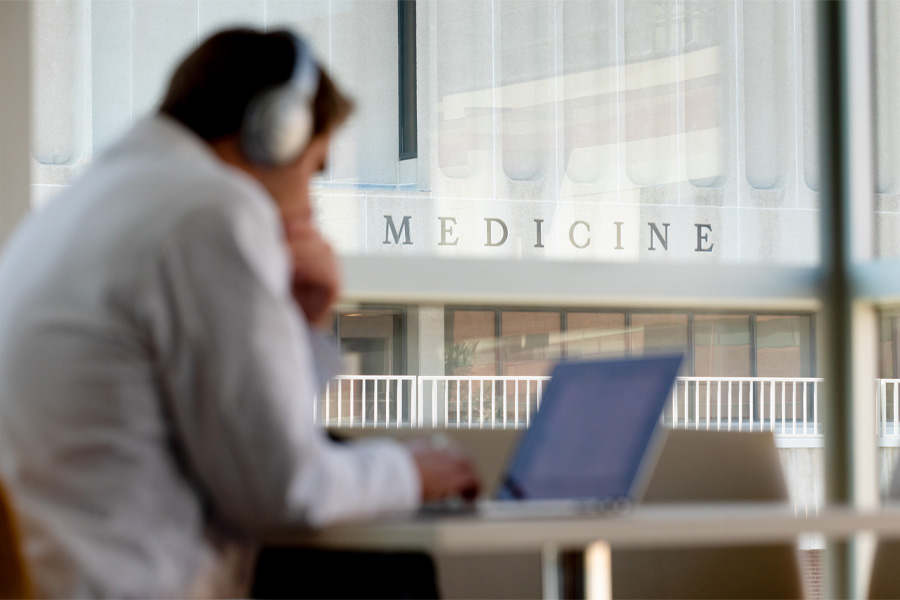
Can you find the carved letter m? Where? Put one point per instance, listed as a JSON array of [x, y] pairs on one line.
[[391, 230]]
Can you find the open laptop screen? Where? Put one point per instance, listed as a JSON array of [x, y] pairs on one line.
[[595, 424]]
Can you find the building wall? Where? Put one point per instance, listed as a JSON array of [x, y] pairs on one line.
[[577, 114]]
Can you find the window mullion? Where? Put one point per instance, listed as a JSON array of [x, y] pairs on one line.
[[848, 323]]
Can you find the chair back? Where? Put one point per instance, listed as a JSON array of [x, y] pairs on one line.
[[14, 582], [712, 466], [884, 582]]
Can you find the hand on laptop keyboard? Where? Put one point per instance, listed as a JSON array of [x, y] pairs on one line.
[[444, 471]]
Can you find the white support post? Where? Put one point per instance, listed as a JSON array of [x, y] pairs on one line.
[[598, 572]]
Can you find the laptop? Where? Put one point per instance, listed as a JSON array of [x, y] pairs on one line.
[[592, 444], [596, 436]]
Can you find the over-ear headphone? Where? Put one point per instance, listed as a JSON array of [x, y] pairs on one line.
[[278, 121]]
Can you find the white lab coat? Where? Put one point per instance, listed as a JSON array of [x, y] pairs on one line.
[[156, 380]]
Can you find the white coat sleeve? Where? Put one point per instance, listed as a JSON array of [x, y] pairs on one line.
[[236, 365]]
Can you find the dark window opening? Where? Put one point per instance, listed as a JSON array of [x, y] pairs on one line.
[[406, 28]]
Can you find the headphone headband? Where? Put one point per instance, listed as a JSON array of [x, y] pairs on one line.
[[306, 73]]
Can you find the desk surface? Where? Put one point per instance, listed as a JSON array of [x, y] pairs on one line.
[[531, 528]]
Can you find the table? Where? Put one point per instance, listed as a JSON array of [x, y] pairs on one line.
[[549, 527]]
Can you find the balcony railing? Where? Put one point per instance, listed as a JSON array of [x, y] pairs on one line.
[[479, 402], [888, 408], [369, 401], [785, 406], [789, 407]]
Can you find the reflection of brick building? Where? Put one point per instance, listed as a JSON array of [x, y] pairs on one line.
[[515, 341], [518, 341]]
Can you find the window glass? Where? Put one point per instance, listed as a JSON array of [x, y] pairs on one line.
[[735, 345], [470, 342], [885, 243], [656, 333], [888, 329], [886, 51], [722, 346], [635, 130], [888, 393], [531, 342], [595, 334], [372, 341], [652, 131], [784, 346]]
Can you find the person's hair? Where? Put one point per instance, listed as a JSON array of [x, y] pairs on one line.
[[211, 88]]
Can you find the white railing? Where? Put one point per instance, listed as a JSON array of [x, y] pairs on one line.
[[479, 402], [789, 407], [369, 401], [887, 392]]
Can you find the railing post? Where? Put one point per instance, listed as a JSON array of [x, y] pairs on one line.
[[708, 386], [729, 405], [446, 403], [516, 404], [327, 402], [363, 409], [504, 404], [469, 403], [528, 403], [400, 394], [675, 405], [375, 404], [420, 398], [896, 406], [481, 403], [434, 386]]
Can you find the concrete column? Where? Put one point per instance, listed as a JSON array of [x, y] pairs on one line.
[[430, 351], [364, 62], [425, 343], [60, 74]]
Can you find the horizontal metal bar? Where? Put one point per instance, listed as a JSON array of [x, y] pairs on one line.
[[482, 378], [567, 283], [755, 379], [376, 377]]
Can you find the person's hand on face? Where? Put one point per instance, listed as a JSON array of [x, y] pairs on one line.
[[316, 276]]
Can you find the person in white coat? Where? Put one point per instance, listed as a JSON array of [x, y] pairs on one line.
[[159, 344]]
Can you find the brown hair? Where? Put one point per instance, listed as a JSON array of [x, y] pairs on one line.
[[211, 88]]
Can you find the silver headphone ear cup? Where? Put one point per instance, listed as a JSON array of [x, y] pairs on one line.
[[252, 136], [291, 125], [278, 123], [277, 127]]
